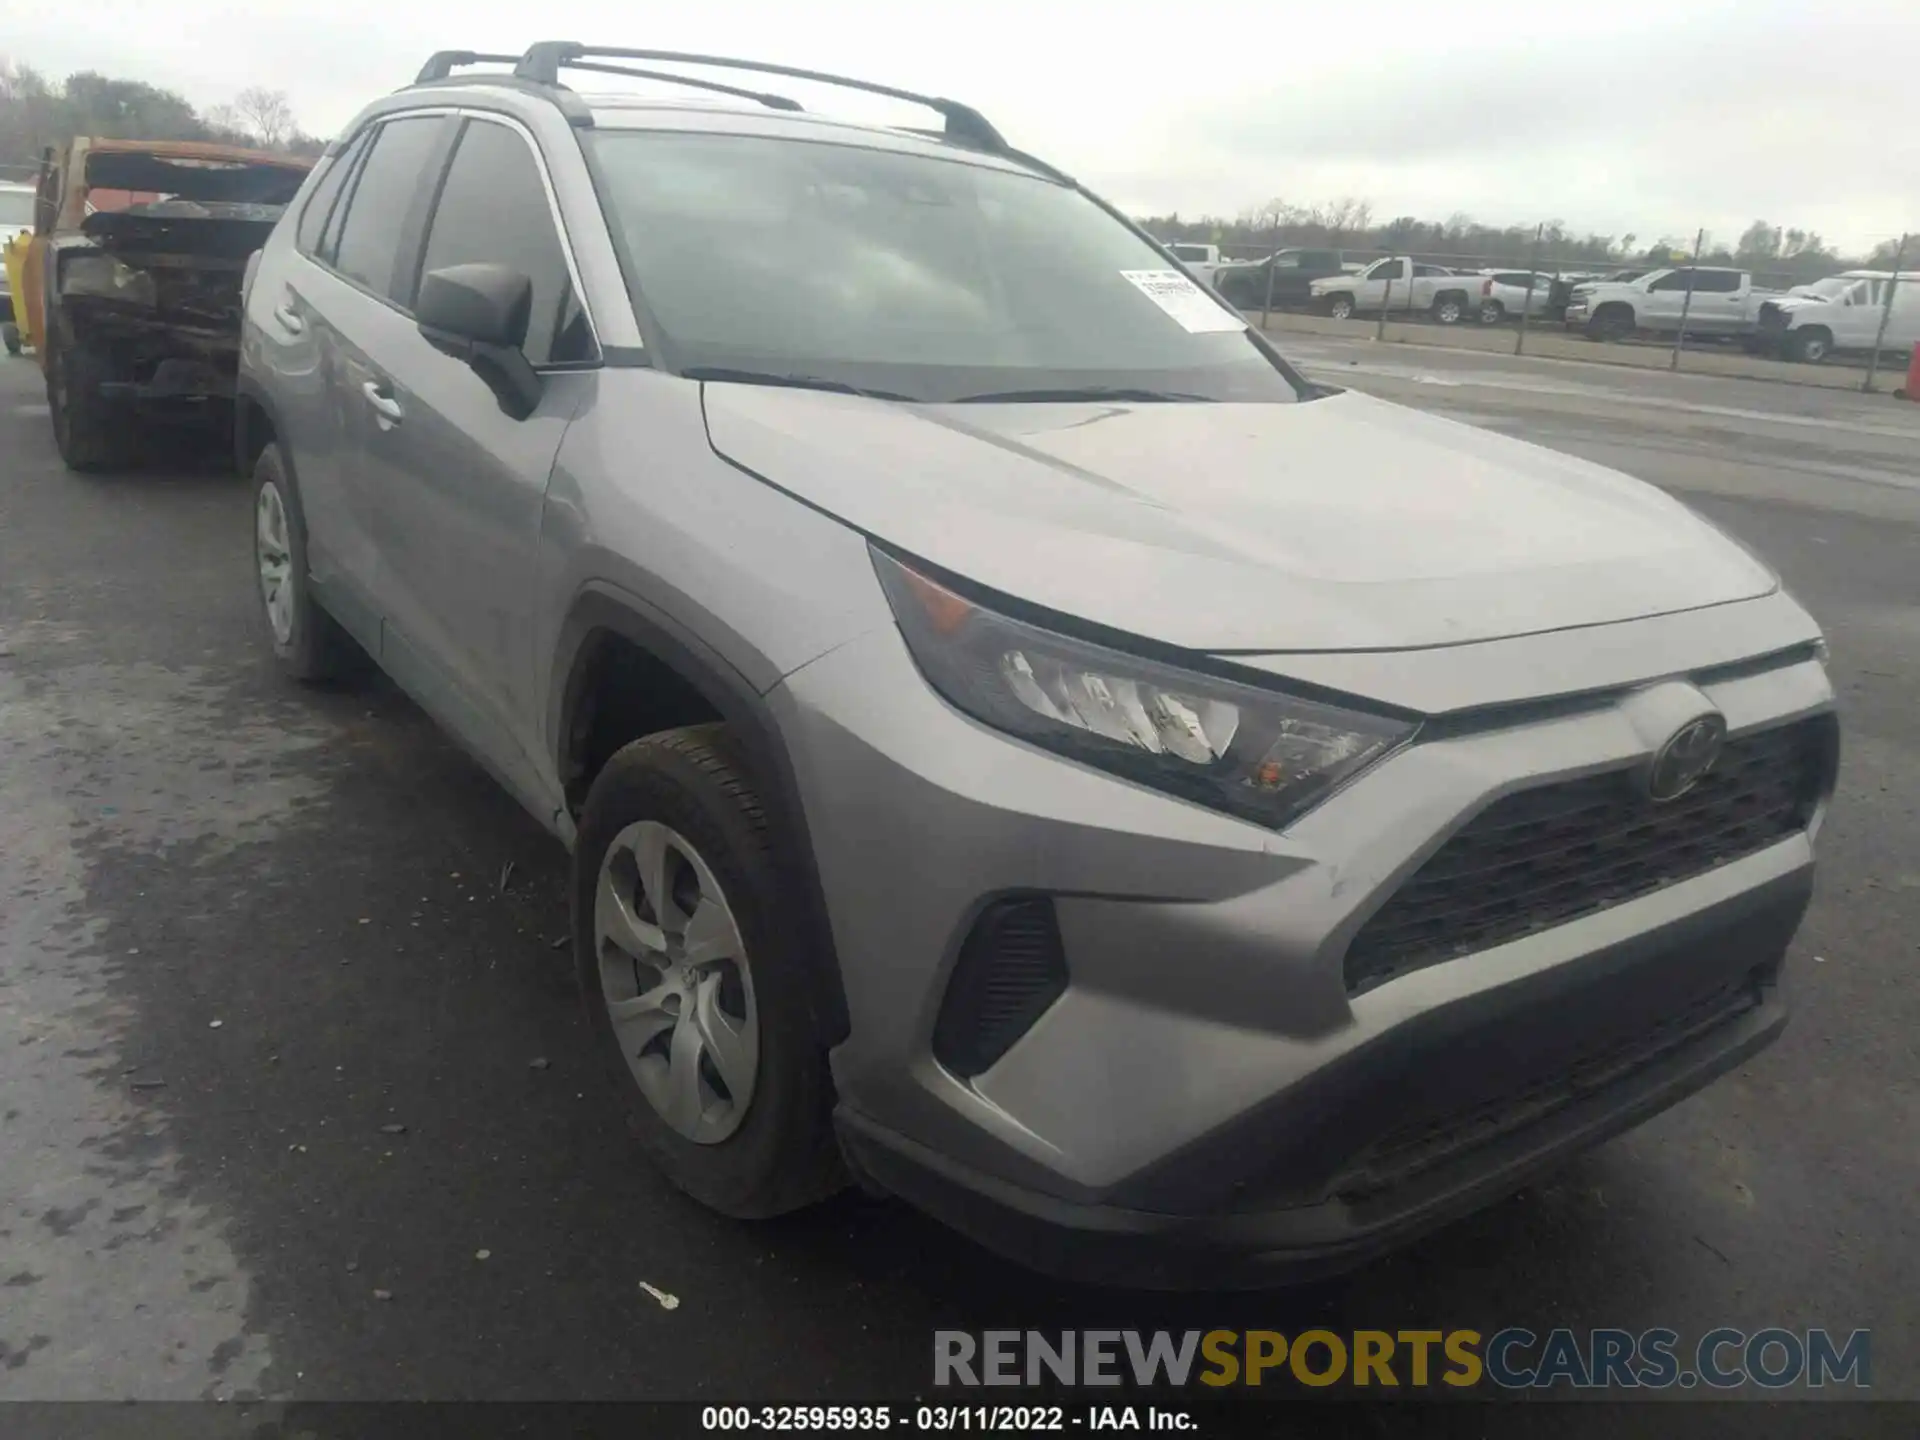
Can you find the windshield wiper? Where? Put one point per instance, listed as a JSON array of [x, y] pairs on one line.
[[1068, 396], [795, 382]]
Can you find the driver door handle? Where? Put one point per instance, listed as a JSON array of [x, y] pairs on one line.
[[290, 320], [384, 405]]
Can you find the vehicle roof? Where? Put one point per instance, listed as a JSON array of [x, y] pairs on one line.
[[628, 111], [193, 150]]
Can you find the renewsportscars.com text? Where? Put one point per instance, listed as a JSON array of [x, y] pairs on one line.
[[1513, 1358]]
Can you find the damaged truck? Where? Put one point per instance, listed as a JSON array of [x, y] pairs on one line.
[[134, 277]]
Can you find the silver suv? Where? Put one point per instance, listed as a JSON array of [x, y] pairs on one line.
[[1022, 747]]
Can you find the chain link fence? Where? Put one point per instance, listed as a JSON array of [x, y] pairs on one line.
[[1868, 319]]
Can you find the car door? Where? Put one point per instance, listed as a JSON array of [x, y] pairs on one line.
[[343, 300], [1856, 322], [458, 485], [286, 345], [1384, 283], [1663, 301], [1429, 281], [1288, 286], [1721, 302]]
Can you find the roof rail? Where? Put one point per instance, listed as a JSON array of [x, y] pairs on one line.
[[544, 60], [772, 102], [442, 63]]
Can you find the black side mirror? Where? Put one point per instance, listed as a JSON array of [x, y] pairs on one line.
[[479, 313]]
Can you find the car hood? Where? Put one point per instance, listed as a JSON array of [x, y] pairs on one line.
[[1344, 523]]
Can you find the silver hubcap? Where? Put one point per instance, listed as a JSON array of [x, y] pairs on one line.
[[275, 557], [674, 975]]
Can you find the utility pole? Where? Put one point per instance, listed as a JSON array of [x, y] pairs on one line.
[[1526, 309], [1686, 306], [1886, 314], [1273, 249]]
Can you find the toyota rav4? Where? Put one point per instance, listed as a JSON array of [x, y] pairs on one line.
[[1023, 747]]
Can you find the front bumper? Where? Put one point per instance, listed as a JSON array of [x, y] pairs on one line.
[[1206, 1102], [1732, 959]]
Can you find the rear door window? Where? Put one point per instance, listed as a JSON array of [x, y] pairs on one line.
[[368, 250], [319, 207]]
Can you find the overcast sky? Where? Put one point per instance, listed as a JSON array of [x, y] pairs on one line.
[[1653, 118]]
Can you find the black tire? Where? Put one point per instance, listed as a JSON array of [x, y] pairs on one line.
[[1809, 346], [315, 649], [1492, 312], [91, 432], [783, 1156], [10, 336], [1449, 309], [1610, 322], [1341, 306]]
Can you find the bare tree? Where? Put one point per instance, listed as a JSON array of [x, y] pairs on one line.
[[265, 114]]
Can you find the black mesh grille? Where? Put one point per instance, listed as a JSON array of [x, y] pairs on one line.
[[1404, 1153], [1543, 857], [1011, 968]]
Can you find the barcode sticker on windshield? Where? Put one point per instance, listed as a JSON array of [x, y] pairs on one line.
[[1196, 311]]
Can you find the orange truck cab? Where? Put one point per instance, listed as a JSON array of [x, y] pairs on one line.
[[129, 288]]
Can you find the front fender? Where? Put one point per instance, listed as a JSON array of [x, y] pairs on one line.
[[602, 607]]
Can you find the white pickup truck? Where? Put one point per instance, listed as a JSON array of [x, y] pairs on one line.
[[1842, 312], [1401, 283], [1202, 261], [1724, 303]]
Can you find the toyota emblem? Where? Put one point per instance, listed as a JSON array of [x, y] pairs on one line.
[[1689, 753]]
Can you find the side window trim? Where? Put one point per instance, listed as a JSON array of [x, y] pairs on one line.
[[413, 229], [559, 229], [412, 249], [341, 164], [329, 241]]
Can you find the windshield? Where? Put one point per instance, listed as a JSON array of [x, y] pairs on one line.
[[1832, 288], [907, 275], [16, 207]]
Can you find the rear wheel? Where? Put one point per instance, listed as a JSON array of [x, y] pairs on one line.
[[307, 641], [10, 336], [690, 967], [1450, 309]]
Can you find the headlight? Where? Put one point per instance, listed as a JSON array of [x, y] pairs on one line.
[[1244, 749], [107, 278]]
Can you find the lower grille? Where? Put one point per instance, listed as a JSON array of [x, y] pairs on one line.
[[1543, 857], [1403, 1154], [1011, 968]]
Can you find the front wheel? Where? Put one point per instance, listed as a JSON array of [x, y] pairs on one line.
[[1613, 322], [1492, 312], [10, 336], [1809, 346], [91, 433], [691, 966], [1340, 307]]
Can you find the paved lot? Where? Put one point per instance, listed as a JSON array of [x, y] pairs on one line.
[[189, 1211]]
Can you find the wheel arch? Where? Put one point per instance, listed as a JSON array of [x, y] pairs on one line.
[[256, 425], [603, 620]]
